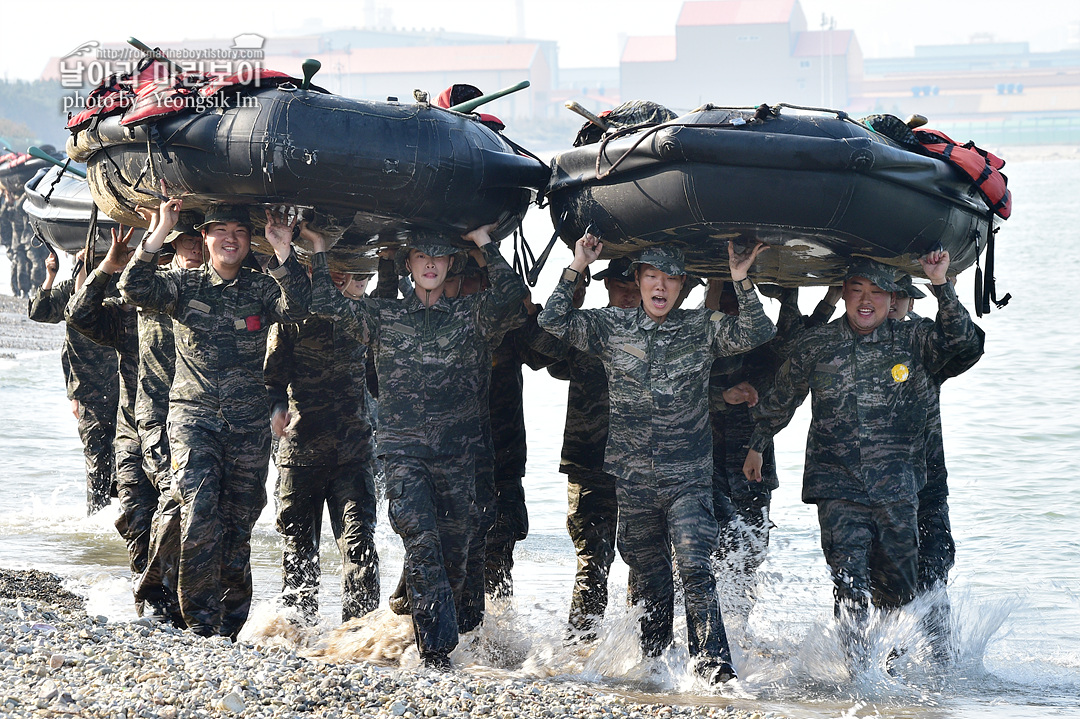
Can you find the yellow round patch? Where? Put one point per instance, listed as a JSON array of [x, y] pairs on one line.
[[900, 373]]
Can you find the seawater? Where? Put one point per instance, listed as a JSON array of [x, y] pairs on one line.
[[1012, 437]]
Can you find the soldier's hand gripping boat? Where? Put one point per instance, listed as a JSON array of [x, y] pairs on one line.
[[818, 186], [365, 168]]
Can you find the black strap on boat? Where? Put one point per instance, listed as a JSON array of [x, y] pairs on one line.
[[990, 289], [55, 182], [534, 273], [524, 260], [91, 239]]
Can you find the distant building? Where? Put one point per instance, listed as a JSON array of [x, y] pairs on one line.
[[742, 53]]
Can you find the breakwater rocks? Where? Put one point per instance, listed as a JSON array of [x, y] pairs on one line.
[[55, 660]]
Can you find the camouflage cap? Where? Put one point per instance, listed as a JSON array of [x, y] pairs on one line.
[[665, 258], [433, 245], [909, 288], [881, 275], [226, 213], [618, 269]]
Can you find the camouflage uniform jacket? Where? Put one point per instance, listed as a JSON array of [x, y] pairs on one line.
[[220, 334], [319, 371], [157, 363], [90, 369], [937, 488], [658, 379], [870, 403], [111, 323], [586, 431], [432, 362], [507, 412]]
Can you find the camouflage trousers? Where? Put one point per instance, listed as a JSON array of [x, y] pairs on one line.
[[511, 526], [155, 588], [138, 499], [652, 521], [937, 549], [348, 491], [591, 520], [220, 480], [97, 429], [431, 508], [743, 545], [471, 612], [872, 552]]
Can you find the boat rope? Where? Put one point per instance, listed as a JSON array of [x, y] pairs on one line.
[[55, 182], [91, 236], [647, 131], [524, 259]]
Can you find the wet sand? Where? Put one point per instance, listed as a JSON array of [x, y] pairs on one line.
[[19, 333]]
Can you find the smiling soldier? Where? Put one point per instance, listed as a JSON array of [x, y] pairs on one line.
[[865, 454]]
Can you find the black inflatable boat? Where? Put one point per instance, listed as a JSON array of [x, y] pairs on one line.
[[364, 167], [59, 206], [16, 168], [819, 187]]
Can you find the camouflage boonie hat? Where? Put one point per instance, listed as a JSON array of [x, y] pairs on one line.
[[618, 269], [881, 275], [186, 225], [664, 258], [226, 213], [909, 288]]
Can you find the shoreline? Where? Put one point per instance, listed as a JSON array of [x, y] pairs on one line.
[[56, 659]]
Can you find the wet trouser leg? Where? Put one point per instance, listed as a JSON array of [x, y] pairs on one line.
[[872, 553], [743, 545], [156, 586], [937, 554], [221, 478], [472, 598], [652, 522], [511, 527], [591, 521], [431, 508], [349, 493], [138, 499], [351, 501], [300, 494], [97, 429]]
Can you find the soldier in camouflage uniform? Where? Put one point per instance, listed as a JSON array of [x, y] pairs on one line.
[[659, 445], [937, 549], [430, 353], [91, 373], [865, 458], [735, 383], [592, 509], [113, 323], [316, 375], [155, 588], [219, 425]]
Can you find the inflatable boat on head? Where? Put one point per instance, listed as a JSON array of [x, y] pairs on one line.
[[264, 138], [16, 169], [816, 185]]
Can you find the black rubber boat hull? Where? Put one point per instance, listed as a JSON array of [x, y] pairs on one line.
[[365, 167], [818, 188], [60, 214]]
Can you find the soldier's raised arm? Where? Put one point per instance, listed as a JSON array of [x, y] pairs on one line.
[[141, 284], [498, 309], [953, 334], [752, 327], [292, 302], [354, 316], [87, 313], [579, 328]]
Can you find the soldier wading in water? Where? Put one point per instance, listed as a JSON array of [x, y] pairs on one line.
[[659, 446], [432, 360]]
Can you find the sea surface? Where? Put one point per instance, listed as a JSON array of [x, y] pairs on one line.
[[1012, 438]]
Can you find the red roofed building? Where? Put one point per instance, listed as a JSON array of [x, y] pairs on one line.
[[742, 52]]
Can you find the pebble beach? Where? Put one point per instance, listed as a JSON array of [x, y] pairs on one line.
[[56, 660]]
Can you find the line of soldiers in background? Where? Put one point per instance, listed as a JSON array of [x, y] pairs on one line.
[[318, 374], [26, 254]]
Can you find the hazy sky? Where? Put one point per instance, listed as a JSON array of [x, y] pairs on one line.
[[588, 31]]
